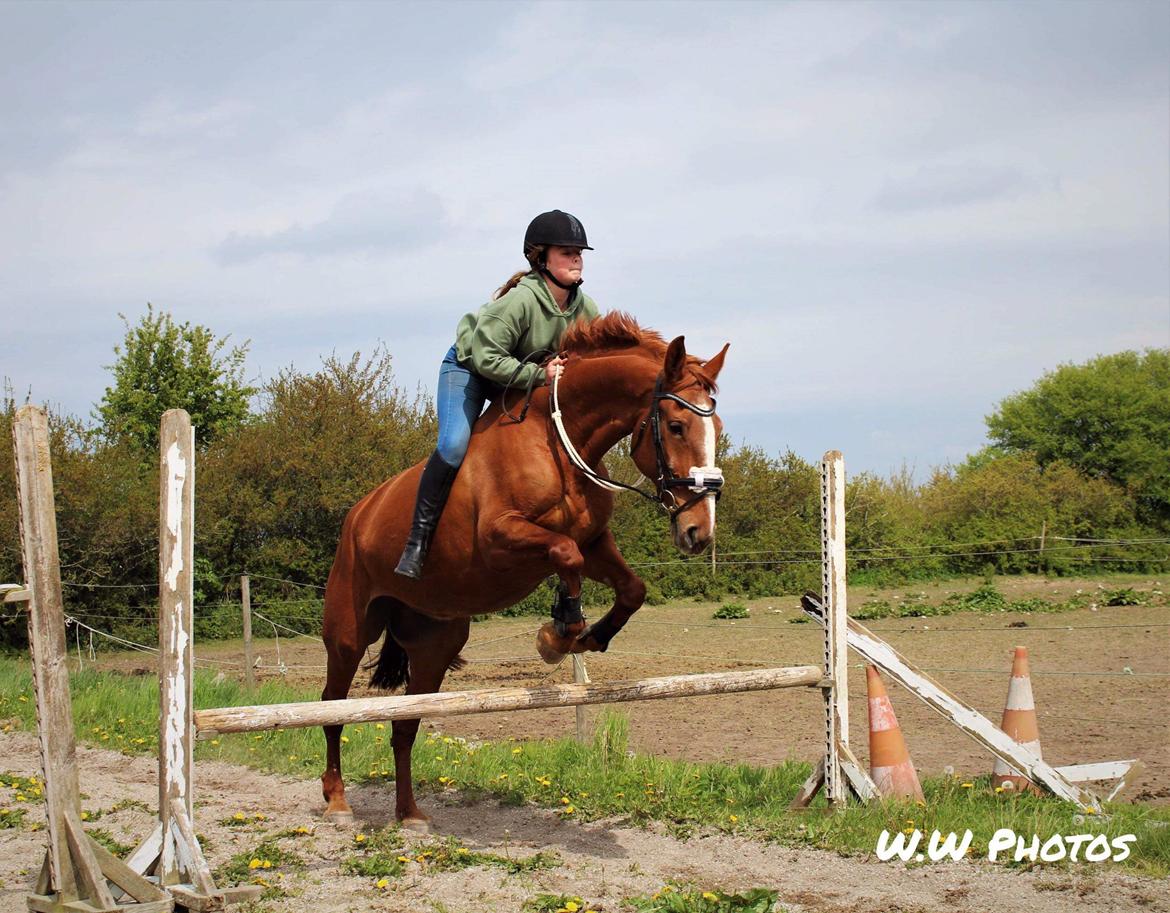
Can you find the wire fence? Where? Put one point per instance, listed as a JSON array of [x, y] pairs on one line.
[[299, 616]]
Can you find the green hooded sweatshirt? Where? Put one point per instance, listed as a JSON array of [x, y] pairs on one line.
[[494, 340]]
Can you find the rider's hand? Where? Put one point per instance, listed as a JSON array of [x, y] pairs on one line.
[[550, 369]]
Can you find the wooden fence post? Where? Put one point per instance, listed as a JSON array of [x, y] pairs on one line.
[[246, 610], [581, 677], [76, 867]]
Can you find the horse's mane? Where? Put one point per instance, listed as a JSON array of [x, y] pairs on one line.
[[615, 330], [619, 330]]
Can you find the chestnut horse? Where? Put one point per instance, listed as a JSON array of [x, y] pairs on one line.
[[520, 511]]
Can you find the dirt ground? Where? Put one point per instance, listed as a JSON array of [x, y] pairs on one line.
[[602, 862], [1099, 677], [1083, 717]]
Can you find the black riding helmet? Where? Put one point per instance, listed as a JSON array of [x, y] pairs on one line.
[[556, 229], [553, 229]]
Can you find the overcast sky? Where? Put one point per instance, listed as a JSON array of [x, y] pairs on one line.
[[897, 214]]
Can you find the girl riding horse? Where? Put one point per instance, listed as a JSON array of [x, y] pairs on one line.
[[526, 318]]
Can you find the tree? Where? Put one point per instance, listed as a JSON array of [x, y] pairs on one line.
[[1110, 418], [162, 365]]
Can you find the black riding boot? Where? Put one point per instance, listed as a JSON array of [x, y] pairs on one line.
[[433, 488]]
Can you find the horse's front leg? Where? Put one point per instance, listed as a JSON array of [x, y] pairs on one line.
[[512, 540], [605, 564]]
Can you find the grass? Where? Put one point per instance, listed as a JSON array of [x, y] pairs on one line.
[[580, 782], [732, 610]]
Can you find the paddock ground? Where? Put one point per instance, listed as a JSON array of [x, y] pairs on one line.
[[1100, 676]]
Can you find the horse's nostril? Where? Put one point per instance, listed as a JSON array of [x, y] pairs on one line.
[[692, 535]]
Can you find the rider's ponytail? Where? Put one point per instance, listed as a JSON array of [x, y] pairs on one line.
[[510, 284], [534, 254]]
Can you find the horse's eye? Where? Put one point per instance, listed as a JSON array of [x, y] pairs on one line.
[[676, 428]]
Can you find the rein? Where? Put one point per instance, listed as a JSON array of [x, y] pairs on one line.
[[705, 481]]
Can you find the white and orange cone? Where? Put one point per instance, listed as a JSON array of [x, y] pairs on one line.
[[1019, 721], [890, 766]]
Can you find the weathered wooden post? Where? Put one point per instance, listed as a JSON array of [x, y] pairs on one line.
[[76, 868], [833, 598], [581, 677], [172, 853], [839, 772], [246, 610]]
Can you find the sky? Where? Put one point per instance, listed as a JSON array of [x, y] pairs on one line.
[[896, 213]]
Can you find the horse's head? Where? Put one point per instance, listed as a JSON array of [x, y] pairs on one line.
[[675, 445]]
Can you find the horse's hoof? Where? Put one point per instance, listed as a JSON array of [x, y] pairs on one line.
[[339, 817], [547, 642], [416, 825]]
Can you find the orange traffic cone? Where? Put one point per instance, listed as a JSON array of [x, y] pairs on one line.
[[890, 766], [1019, 721]]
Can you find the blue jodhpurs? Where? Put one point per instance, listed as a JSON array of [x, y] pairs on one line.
[[459, 400]]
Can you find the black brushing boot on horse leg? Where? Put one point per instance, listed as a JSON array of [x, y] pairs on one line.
[[433, 488]]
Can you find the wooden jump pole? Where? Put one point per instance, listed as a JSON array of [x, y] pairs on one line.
[[223, 720]]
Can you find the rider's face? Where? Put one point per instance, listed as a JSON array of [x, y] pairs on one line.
[[564, 263]]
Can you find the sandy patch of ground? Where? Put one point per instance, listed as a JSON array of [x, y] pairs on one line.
[[602, 861]]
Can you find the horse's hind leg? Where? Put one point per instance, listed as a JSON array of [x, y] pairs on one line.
[[432, 647], [348, 628]]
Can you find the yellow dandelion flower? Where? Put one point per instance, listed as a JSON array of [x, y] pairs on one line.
[[359, 838], [966, 785], [733, 818], [571, 906], [463, 850], [85, 816], [568, 810], [404, 859], [564, 800], [345, 740], [517, 750], [707, 895], [379, 725], [381, 882], [213, 741], [239, 816], [255, 864], [267, 864]]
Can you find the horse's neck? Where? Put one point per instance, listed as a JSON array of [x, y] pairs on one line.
[[601, 400]]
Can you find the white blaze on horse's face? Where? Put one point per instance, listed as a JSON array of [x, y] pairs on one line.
[[690, 442]]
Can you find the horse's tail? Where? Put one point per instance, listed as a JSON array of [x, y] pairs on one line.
[[392, 668]]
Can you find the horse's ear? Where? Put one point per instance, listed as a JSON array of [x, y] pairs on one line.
[[676, 359], [711, 368]]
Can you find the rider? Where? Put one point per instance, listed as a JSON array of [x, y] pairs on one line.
[[525, 318]]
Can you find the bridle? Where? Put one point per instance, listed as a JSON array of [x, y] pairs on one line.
[[704, 481]]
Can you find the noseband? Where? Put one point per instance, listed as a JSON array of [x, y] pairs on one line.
[[703, 480]]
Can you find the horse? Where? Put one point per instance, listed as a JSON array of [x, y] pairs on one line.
[[532, 499]]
